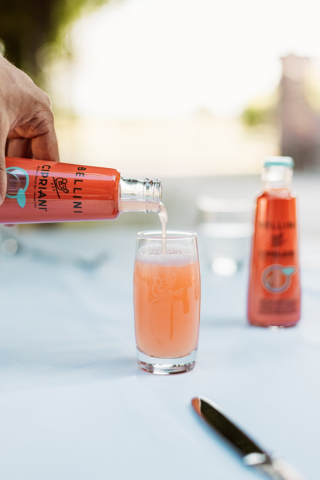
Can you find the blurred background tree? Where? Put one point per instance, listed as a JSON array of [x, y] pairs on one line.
[[26, 26], [262, 111]]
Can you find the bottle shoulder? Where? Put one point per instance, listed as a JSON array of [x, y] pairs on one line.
[[277, 196]]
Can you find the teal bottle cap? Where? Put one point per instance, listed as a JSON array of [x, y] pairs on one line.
[[278, 161]]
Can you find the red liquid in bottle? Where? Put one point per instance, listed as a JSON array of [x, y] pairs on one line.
[[43, 191], [274, 297]]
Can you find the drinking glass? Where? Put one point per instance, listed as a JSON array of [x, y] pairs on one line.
[[167, 301], [225, 226]]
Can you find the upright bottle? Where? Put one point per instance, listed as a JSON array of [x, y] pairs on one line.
[[43, 191], [274, 297]]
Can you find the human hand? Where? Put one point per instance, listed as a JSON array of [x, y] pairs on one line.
[[26, 121]]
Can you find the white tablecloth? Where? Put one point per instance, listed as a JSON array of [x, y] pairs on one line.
[[74, 405]]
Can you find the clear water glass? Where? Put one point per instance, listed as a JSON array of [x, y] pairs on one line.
[[167, 293], [226, 228]]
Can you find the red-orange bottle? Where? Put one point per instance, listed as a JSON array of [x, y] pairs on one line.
[[274, 296], [43, 191]]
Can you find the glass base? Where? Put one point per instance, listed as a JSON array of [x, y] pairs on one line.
[[166, 366]]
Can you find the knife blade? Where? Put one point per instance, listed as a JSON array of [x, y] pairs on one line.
[[252, 454]]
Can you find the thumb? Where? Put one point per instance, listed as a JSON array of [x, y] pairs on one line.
[[4, 130]]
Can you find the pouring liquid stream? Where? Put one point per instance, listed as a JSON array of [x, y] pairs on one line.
[[163, 216]]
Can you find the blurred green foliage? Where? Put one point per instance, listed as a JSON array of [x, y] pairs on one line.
[[255, 115], [262, 111], [27, 25]]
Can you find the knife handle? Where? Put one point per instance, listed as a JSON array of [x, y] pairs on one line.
[[280, 469]]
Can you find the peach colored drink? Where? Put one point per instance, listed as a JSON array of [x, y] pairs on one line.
[[166, 302], [168, 315]]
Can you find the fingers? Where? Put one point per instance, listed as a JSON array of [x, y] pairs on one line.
[[19, 147], [45, 146], [40, 129], [28, 111], [3, 178], [4, 129]]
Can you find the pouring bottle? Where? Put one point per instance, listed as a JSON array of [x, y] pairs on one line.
[[43, 191]]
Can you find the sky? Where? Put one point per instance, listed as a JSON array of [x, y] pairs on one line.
[[160, 58]]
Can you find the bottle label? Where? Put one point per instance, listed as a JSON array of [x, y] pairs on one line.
[[18, 182], [277, 278], [43, 191]]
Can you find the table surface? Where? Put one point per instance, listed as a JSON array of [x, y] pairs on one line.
[[74, 405]]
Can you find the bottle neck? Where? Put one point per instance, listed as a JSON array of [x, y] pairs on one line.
[[139, 195], [277, 179]]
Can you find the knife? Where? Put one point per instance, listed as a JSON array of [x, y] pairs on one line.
[[252, 455]]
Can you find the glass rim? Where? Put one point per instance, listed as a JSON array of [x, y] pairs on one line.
[[170, 235]]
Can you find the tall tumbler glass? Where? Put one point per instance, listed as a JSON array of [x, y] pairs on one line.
[[167, 295]]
